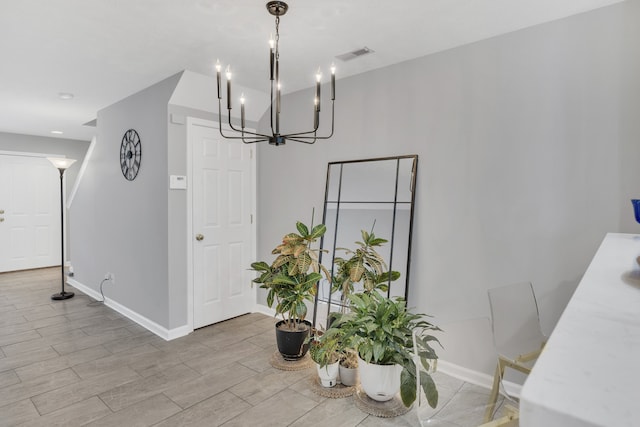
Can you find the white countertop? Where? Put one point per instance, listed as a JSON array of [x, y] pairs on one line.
[[589, 372]]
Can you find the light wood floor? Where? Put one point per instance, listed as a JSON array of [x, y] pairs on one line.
[[75, 362]]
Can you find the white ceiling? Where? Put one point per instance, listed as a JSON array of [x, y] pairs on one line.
[[104, 50]]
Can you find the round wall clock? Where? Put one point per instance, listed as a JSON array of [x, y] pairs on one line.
[[130, 154]]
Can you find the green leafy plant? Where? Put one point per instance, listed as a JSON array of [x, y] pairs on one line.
[[292, 277], [348, 357], [324, 349], [362, 265], [382, 331], [333, 342]]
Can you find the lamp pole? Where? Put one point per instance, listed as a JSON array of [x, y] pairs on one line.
[[61, 164]]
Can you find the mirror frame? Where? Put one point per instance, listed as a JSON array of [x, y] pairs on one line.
[[395, 202]]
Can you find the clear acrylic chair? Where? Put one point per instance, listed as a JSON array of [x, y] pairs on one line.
[[460, 404], [517, 336]]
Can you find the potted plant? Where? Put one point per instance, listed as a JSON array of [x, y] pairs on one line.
[[333, 346], [363, 265], [366, 267], [382, 331], [324, 350], [348, 367], [290, 281]]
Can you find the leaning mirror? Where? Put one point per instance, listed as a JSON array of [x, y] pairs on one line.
[[374, 195]]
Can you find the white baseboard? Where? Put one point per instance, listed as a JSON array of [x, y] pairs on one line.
[[465, 374], [474, 377], [161, 331], [263, 309]]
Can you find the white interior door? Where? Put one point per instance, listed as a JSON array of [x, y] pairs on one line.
[[29, 213], [223, 196]]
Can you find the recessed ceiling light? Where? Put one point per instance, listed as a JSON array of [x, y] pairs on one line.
[[65, 95], [57, 132]]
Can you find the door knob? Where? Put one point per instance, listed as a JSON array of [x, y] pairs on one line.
[[199, 237]]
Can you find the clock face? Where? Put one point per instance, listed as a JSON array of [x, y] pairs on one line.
[[130, 154]]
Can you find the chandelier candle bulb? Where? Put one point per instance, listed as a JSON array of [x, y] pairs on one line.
[[316, 118], [318, 78], [333, 82], [242, 111], [271, 57], [228, 87], [278, 98], [278, 107], [218, 68]]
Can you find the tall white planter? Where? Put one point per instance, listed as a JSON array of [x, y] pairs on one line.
[[328, 374], [380, 382], [348, 376]]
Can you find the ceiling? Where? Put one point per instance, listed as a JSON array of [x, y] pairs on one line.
[[103, 51]]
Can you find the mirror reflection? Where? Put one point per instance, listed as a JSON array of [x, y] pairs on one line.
[[377, 196]]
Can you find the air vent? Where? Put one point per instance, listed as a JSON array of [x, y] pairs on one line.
[[355, 54]]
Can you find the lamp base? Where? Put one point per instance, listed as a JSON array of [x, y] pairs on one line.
[[62, 295]]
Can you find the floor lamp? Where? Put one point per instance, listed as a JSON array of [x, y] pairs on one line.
[[61, 164]]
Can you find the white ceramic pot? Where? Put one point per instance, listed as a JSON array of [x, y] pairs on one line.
[[328, 374], [348, 376], [380, 382]]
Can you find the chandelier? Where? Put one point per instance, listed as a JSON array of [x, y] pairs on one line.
[[277, 9]]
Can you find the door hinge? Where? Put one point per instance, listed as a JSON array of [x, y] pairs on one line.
[[251, 218]]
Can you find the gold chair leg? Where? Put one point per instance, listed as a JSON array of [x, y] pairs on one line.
[[506, 421], [495, 390]]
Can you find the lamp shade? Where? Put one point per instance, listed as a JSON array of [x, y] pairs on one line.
[[61, 162]]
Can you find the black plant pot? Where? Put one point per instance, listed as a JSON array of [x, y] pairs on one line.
[[291, 342]]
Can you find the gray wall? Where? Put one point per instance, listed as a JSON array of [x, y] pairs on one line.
[[528, 146], [121, 226], [138, 230]]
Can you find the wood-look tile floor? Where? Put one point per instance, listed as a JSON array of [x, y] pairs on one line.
[[77, 362]]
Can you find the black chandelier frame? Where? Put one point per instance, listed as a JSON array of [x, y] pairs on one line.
[[277, 9]]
